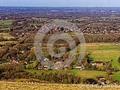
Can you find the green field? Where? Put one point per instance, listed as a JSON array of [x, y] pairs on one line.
[[6, 23], [103, 52], [116, 76]]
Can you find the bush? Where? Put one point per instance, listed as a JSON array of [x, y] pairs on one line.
[[12, 71], [60, 78]]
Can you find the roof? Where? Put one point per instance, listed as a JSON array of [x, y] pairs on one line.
[[99, 62]]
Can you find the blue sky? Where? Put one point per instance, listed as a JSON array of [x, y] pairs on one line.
[[61, 3]]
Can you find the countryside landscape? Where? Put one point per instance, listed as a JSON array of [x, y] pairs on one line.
[[20, 68]]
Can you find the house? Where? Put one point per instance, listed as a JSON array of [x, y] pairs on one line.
[[14, 62], [45, 64], [67, 67], [58, 65], [80, 67], [42, 68], [24, 62], [102, 81], [39, 66], [22, 51], [99, 63]]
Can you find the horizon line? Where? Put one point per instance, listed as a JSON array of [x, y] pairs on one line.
[[64, 6]]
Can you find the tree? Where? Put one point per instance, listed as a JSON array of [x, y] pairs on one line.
[[108, 69], [88, 57], [119, 60], [118, 39], [1, 38], [86, 62]]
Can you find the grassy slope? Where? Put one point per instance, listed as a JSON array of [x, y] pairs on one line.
[[82, 73]]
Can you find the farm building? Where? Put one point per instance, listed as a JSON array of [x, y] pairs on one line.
[[80, 67], [58, 65], [24, 62], [99, 63], [41, 67], [14, 62], [44, 65]]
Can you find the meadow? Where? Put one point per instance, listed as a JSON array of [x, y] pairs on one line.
[[103, 52], [116, 76], [6, 24]]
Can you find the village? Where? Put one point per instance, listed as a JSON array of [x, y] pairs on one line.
[[101, 31]]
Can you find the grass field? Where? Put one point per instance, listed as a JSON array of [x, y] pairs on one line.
[[104, 52], [48, 86], [6, 35], [116, 76], [6, 23], [6, 42]]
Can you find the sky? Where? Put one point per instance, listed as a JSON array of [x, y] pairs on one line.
[[61, 3]]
